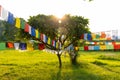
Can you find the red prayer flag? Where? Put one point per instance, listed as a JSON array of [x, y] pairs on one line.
[[10, 45], [86, 48], [26, 27], [41, 36], [41, 46]]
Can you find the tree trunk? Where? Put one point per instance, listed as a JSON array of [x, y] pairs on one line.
[[59, 58], [73, 57]]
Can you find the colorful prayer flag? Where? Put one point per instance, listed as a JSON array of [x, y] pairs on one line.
[[33, 32], [37, 35], [22, 23], [17, 22], [26, 29], [10, 18], [4, 14], [2, 46]]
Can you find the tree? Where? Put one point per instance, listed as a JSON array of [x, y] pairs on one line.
[[7, 31], [67, 31]]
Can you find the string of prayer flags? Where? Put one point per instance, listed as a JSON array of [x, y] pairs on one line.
[[17, 22], [10, 18], [20, 23]]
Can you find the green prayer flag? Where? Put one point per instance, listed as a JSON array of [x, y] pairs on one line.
[[2, 46], [109, 47], [81, 48], [22, 23]]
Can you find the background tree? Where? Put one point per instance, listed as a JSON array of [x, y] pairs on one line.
[[66, 30], [7, 31]]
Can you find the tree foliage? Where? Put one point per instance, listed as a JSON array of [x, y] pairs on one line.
[[71, 27]]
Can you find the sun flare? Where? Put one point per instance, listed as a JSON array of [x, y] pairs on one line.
[[60, 16]]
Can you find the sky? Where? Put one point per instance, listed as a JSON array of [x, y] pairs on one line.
[[103, 15]]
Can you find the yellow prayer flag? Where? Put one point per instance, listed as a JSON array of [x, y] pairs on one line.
[[48, 41], [17, 23], [36, 31], [102, 47]]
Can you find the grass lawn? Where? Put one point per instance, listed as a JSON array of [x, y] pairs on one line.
[[40, 65]]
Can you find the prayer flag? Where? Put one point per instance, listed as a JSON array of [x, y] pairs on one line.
[[49, 42], [90, 47], [85, 36], [16, 45], [89, 37], [10, 45], [22, 23], [10, 18], [103, 36], [37, 35], [93, 36], [108, 35], [2, 46], [41, 36], [81, 48], [96, 48], [53, 43], [4, 14], [26, 29], [86, 48], [33, 32], [114, 34], [17, 22], [41, 46], [102, 47], [23, 46], [29, 46], [30, 30], [109, 47], [44, 38], [97, 36]]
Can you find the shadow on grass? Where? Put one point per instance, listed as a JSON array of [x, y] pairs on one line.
[[75, 72], [9, 64]]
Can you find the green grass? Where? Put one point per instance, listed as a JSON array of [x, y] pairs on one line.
[[40, 65]]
